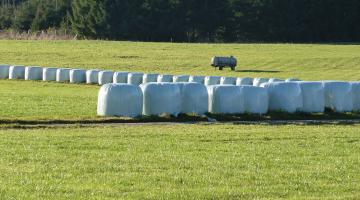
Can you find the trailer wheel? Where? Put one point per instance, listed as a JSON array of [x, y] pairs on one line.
[[221, 68], [232, 68]]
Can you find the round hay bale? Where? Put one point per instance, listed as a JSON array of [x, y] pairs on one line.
[[197, 79], [258, 81], [284, 96], [120, 77], [256, 99], [49, 74], [33, 73], [161, 98], [77, 76], [338, 96], [194, 98], [313, 97], [119, 99], [150, 78], [228, 80], [135, 78], [226, 99], [181, 78], [17, 72], [63, 75], [106, 77], [92, 76], [4, 71], [165, 78], [244, 81], [212, 80]]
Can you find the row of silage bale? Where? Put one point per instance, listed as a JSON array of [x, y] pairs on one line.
[[152, 99]]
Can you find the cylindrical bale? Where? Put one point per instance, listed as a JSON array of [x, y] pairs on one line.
[[106, 77], [92, 76], [258, 81], [120, 77], [161, 98], [256, 99], [135, 78], [212, 80], [272, 80], [4, 71], [181, 78], [338, 96], [355, 89], [194, 98], [226, 99], [197, 79], [49, 74], [165, 78], [244, 81], [228, 80], [313, 97], [77, 76], [33, 73], [63, 75], [150, 78], [120, 99], [284, 96], [17, 72]]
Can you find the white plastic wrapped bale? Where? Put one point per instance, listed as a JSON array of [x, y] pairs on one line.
[[313, 97], [92, 76], [161, 98], [226, 99], [259, 81], [77, 76], [105, 77], [165, 78], [63, 75], [181, 78], [338, 96], [228, 80], [49, 74], [355, 88], [272, 80], [150, 78], [292, 80], [284, 96], [4, 71], [17, 72], [212, 80], [197, 79], [194, 98], [135, 78], [33, 73], [256, 99], [120, 77], [244, 81], [122, 100]]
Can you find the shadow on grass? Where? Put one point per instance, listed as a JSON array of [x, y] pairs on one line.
[[272, 118]]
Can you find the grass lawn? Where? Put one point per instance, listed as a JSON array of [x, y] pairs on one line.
[[181, 161], [304, 61]]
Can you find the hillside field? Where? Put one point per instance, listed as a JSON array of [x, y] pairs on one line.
[[172, 161]]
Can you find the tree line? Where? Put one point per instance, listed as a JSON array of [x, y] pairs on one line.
[[189, 20]]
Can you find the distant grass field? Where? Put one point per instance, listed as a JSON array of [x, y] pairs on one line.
[[304, 61], [181, 162]]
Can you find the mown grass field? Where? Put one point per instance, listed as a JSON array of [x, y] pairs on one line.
[[181, 162], [304, 61], [177, 161]]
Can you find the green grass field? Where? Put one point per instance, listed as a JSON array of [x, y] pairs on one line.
[[181, 162], [174, 161]]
